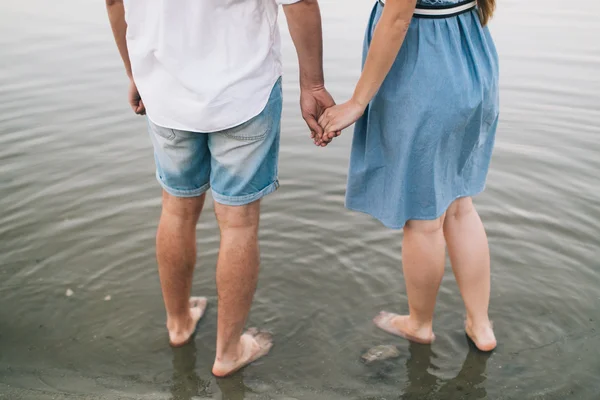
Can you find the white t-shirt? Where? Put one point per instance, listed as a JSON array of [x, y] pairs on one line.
[[204, 65]]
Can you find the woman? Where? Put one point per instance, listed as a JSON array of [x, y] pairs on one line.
[[427, 110]]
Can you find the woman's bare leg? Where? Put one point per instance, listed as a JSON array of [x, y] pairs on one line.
[[470, 257], [423, 259]]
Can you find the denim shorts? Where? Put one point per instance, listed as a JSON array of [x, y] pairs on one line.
[[238, 164]]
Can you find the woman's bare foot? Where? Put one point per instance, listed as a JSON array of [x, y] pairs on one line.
[[182, 335], [254, 344], [482, 335], [403, 326]]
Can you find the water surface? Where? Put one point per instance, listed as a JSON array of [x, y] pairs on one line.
[[79, 208]]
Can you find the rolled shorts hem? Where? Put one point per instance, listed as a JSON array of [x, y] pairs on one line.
[[184, 193], [247, 199]]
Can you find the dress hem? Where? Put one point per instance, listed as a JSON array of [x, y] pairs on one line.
[[415, 218]]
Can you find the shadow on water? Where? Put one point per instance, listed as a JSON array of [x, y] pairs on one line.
[[187, 384], [422, 384], [232, 388], [79, 206]]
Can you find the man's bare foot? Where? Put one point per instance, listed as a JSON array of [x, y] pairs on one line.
[[182, 335], [403, 326], [482, 335], [253, 345]]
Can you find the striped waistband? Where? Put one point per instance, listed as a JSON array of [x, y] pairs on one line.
[[442, 11]]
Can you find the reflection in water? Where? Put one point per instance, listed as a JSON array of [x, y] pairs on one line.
[[422, 384], [187, 385], [79, 206], [469, 381], [186, 382], [232, 388]]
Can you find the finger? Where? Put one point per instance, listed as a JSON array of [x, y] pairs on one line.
[[318, 139], [329, 129], [332, 130], [315, 138], [332, 134], [324, 118], [313, 125], [325, 141], [141, 110]]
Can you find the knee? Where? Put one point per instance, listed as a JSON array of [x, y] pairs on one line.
[[461, 207], [185, 208], [425, 227], [238, 217]]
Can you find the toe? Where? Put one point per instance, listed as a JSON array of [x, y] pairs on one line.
[[263, 342], [264, 339], [200, 302], [383, 317], [252, 331], [198, 307]]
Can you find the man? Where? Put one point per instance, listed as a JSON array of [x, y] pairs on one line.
[[209, 78]]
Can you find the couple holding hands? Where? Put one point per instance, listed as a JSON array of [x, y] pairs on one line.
[[208, 76]]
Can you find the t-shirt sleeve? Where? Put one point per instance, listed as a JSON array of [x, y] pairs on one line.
[[284, 2]]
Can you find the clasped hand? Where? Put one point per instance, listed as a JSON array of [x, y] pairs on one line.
[[325, 119]]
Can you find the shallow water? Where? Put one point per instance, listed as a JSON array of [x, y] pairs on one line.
[[79, 207]]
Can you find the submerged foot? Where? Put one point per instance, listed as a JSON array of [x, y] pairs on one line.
[[403, 326], [254, 344], [481, 335], [182, 335]]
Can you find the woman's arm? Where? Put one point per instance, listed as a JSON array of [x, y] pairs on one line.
[[385, 45], [387, 40]]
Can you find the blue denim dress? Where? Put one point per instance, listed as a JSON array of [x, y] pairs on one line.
[[427, 136]]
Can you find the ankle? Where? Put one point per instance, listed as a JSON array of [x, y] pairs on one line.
[[419, 324], [230, 353], [178, 324], [478, 322]]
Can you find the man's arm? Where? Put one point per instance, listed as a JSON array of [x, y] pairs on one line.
[[304, 22], [116, 15]]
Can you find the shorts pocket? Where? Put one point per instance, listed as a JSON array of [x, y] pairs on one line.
[[251, 131], [165, 133]]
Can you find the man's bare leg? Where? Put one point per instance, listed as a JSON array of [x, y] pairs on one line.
[[176, 255], [237, 275]]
